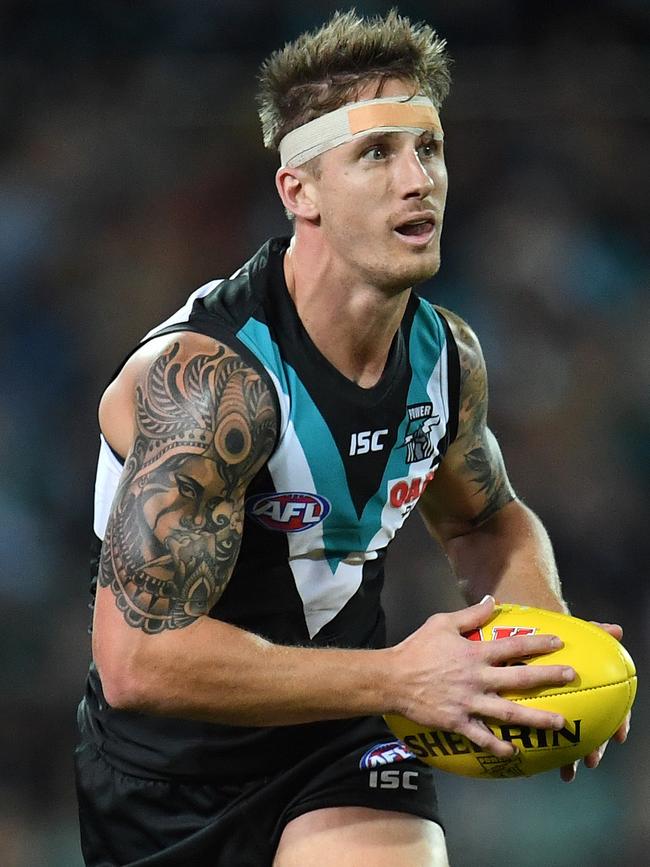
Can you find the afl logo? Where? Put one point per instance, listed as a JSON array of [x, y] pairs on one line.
[[385, 754], [288, 511]]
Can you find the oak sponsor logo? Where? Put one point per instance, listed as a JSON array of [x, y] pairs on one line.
[[288, 511], [404, 493]]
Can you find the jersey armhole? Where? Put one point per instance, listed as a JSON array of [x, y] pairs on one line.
[[209, 328], [453, 380]]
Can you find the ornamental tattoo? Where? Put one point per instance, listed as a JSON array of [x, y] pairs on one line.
[[205, 424], [483, 461]]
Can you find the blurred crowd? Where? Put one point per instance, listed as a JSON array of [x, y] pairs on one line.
[[132, 171]]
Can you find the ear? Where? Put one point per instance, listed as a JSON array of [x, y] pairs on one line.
[[298, 191]]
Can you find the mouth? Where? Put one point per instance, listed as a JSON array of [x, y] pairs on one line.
[[418, 230]]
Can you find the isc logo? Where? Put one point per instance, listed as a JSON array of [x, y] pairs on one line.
[[288, 511], [393, 779], [367, 441]]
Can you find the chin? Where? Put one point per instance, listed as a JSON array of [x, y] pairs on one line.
[[417, 270]]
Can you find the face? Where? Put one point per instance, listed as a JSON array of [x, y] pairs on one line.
[[177, 506], [381, 201]]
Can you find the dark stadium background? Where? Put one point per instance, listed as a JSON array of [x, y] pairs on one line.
[[132, 170]]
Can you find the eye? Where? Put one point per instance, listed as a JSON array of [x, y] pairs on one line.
[[186, 488], [428, 149], [376, 153]]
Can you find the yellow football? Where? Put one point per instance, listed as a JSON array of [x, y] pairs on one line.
[[593, 705]]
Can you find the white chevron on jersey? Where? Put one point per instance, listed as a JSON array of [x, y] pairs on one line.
[[109, 470], [323, 593], [438, 382]]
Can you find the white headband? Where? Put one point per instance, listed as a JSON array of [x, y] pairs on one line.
[[389, 114]]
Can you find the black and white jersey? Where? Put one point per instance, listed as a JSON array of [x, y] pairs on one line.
[[349, 465]]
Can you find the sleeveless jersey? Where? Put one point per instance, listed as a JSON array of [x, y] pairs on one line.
[[348, 467]]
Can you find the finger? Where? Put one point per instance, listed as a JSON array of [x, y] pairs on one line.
[[614, 629], [510, 712], [568, 772], [474, 616], [520, 646], [594, 758], [478, 732], [518, 677], [620, 735]]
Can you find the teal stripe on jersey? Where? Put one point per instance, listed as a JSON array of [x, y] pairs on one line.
[[257, 337], [425, 348], [426, 343], [318, 445]]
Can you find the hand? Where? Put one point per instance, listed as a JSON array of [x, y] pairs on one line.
[[568, 772], [445, 681]]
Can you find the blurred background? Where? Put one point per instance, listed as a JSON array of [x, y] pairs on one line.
[[132, 171]]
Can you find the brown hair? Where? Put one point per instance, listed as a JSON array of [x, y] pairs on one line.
[[323, 70]]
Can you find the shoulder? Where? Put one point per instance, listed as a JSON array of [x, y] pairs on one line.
[[467, 343], [469, 347], [186, 379], [473, 373]]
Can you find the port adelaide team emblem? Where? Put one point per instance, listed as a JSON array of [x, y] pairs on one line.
[[419, 442], [288, 511]]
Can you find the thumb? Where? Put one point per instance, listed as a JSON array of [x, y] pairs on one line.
[[475, 615]]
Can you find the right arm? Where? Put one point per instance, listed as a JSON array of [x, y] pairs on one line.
[[202, 425]]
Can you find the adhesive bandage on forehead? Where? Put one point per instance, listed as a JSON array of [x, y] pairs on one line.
[[415, 115]]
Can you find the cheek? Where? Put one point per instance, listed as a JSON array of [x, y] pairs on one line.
[[357, 230], [163, 512], [351, 206], [441, 181]]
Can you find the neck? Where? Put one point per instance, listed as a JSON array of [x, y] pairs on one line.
[[350, 321]]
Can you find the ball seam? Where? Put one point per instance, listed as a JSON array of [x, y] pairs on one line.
[[571, 691]]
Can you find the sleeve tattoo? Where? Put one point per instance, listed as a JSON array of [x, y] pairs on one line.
[[483, 463], [205, 425]]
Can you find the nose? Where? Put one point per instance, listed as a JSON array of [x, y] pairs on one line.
[[195, 519], [415, 179]]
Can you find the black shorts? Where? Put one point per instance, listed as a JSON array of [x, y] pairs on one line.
[[128, 820]]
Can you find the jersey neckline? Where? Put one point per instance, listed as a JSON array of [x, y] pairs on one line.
[[396, 361]]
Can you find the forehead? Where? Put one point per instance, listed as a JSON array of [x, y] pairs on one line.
[[375, 87], [199, 467]]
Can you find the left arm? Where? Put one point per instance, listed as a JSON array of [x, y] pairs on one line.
[[495, 544]]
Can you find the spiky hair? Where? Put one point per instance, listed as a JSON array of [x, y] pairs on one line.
[[326, 68]]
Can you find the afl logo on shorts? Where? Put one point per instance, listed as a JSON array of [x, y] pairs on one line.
[[288, 511], [385, 754]]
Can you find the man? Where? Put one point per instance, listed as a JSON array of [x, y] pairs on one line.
[[260, 450]]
